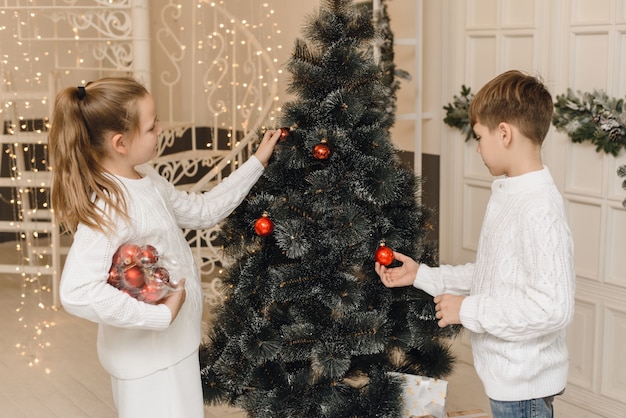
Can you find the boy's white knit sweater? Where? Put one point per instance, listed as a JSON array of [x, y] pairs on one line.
[[521, 289], [136, 338]]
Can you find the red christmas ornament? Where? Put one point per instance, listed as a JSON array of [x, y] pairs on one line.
[[161, 274], [384, 254], [147, 255], [136, 272], [321, 151], [114, 276], [135, 276], [284, 133], [153, 291], [126, 254], [263, 226]]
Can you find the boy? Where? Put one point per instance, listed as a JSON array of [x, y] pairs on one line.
[[518, 296]]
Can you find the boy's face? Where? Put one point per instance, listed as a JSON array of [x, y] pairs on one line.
[[491, 147]]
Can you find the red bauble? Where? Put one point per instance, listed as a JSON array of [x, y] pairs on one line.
[[284, 133], [263, 226], [147, 255], [384, 255], [126, 254], [321, 151], [153, 292], [114, 277], [161, 274], [136, 272], [134, 276]]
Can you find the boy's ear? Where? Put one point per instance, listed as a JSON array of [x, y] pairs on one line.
[[118, 143], [506, 133]]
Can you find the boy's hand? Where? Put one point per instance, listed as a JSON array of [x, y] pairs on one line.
[[175, 299], [447, 309], [266, 147], [403, 275]]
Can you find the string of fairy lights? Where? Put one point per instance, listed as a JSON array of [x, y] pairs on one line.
[[25, 196], [44, 49], [34, 312]]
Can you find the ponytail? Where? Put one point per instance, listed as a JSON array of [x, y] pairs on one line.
[[82, 119]]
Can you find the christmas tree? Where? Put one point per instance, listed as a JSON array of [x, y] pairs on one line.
[[307, 328]]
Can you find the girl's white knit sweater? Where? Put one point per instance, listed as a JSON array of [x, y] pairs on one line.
[[136, 338], [520, 289]]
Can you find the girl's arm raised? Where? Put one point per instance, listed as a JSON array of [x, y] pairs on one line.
[[266, 147], [204, 210]]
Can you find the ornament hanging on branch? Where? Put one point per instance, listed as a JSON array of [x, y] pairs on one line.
[[321, 151], [384, 254], [264, 226], [284, 133]]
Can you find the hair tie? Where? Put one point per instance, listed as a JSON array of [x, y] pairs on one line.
[[81, 92]]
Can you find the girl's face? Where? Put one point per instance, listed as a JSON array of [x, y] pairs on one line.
[[143, 145], [491, 149]]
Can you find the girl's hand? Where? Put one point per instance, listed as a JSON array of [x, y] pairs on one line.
[[398, 276], [266, 147], [175, 299]]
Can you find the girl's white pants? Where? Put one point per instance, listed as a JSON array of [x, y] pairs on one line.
[[175, 392]]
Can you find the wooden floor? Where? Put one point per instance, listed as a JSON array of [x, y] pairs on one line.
[[49, 366]]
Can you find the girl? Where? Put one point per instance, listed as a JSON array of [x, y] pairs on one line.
[[101, 137]]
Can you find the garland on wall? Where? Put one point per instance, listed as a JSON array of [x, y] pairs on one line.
[[593, 117], [622, 173], [456, 112]]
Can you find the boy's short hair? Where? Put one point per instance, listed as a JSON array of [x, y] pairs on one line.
[[515, 98]]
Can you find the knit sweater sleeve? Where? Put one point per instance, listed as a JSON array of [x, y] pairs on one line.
[[435, 281], [533, 295], [85, 292], [204, 210]]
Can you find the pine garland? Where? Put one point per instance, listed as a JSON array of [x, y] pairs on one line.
[[456, 112], [622, 173], [594, 117]]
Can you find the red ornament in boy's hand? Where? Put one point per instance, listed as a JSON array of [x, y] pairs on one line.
[[384, 255], [284, 133], [263, 226]]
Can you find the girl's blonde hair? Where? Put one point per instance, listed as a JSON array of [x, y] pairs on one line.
[[82, 119]]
